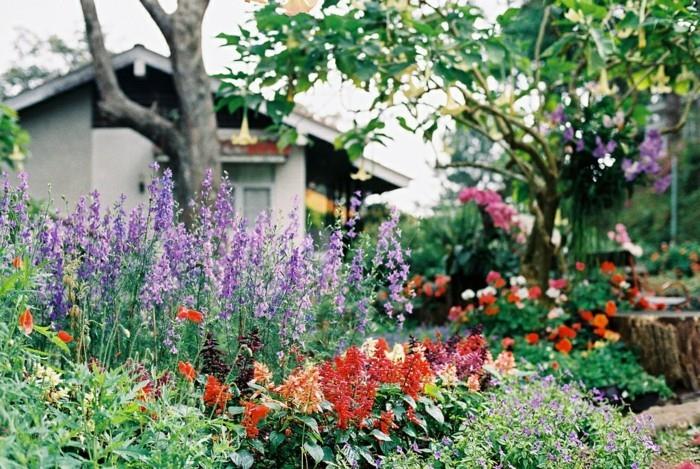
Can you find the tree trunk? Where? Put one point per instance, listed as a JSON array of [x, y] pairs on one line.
[[540, 251], [667, 346], [197, 119], [191, 140]]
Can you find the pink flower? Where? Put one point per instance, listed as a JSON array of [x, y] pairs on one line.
[[492, 276], [558, 283]]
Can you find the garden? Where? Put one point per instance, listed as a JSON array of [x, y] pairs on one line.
[[518, 324]]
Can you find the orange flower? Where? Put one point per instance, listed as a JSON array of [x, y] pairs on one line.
[[566, 332], [532, 338], [601, 331], [599, 321], [564, 346], [492, 310], [252, 415], [187, 370], [499, 283], [184, 313], [26, 322], [302, 389], [513, 297], [610, 308], [17, 263], [65, 337], [617, 279], [216, 394], [586, 315], [607, 267]]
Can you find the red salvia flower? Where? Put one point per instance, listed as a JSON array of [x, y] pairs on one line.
[[252, 415], [216, 394], [349, 387], [187, 370], [386, 422], [415, 372], [26, 322]]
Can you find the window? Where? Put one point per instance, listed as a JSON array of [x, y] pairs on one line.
[[252, 187]]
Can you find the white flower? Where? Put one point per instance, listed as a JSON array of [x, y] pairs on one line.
[[523, 293], [468, 294], [518, 281], [369, 346], [397, 354], [633, 249], [553, 292], [555, 313], [624, 285], [486, 291]]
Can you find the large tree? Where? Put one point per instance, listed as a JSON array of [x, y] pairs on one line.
[[190, 138], [562, 87]]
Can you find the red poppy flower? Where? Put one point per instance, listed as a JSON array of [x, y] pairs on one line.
[[610, 308], [487, 299], [187, 370], [586, 315], [65, 337], [534, 292], [26, 322], [617, 279], [566, 332], [580, 266], [17, 263], [607, 267], [532, 338], [564, 346], [184, 313]]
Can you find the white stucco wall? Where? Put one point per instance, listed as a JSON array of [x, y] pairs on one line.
[[120, 160], [61, 146], [290, 186]]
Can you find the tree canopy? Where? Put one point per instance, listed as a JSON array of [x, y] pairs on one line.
[[562, 87]]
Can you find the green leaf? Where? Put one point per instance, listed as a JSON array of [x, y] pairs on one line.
[[435, 412], [243, 459], [310, 422], [379, 435], [315, 451]]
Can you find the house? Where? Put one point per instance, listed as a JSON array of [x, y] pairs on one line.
[[75, 151]]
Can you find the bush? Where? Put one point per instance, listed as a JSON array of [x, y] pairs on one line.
[[540, 424]]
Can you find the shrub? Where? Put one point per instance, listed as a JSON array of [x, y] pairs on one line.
[[539, 423]]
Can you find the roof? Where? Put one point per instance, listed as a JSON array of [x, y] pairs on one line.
[[302, 121]]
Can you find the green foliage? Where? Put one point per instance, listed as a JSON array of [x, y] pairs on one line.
[[681, 260], [13, 140], [605, 365]]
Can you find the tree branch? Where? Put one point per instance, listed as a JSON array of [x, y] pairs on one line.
[[159, 16], [683, 117], [113, 102], [473, 164]]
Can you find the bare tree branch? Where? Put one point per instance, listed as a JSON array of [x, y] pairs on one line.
[[683, 117], [114, 103], [159, 16]]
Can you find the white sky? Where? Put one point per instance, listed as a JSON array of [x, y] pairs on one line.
[[126, 23]]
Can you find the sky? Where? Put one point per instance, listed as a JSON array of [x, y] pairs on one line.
[[126, 23]]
